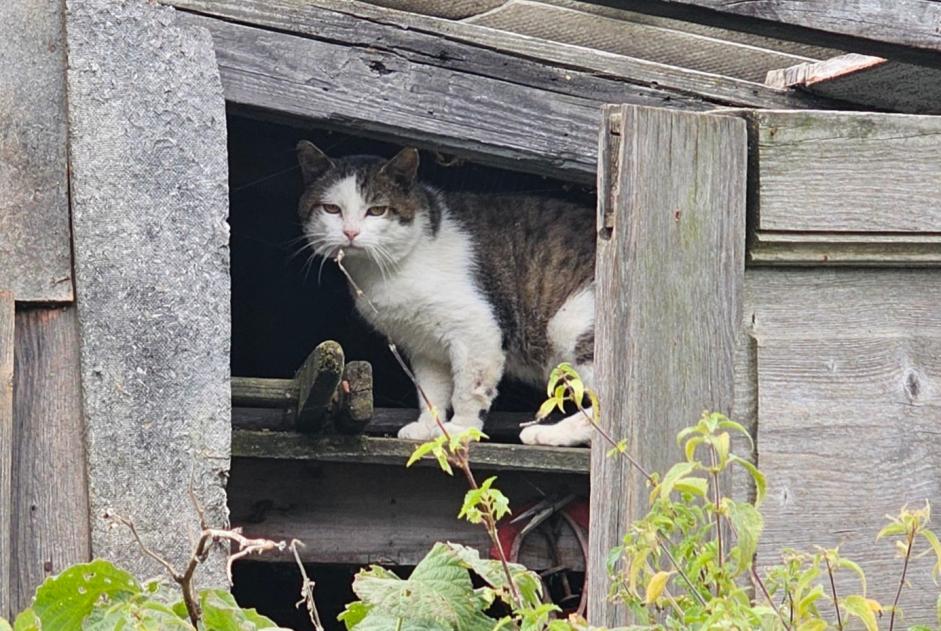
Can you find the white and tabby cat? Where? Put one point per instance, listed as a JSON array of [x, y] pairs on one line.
[[470, 286]]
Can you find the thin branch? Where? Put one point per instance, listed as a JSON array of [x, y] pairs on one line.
[[676, 566], [716, 492], [836, 602], [124, 521], [898, 593], [764, 590], [307, 589]]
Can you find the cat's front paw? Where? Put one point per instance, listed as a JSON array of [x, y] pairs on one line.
[[419, 430], [558, 435]]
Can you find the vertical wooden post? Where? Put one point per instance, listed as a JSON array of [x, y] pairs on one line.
[[50, 497], [6, 450], [669, 279]]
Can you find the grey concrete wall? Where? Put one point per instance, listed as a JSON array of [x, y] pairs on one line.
[[149, 207]]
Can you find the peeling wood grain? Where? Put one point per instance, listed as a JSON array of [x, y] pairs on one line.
[[829, 249], [552, 66], [6, 451], [670, 325], [50, 497], [848, 172], [873, 82], [848, 432], [35, 246]]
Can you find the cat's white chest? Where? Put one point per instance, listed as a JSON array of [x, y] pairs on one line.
[[430, 301]]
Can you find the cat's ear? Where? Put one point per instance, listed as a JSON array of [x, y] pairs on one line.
[[313, 161], [403, 168]]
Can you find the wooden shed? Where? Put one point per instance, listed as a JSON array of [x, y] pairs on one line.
[[768, 184]]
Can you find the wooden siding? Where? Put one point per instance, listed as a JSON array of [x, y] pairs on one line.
[[35, 253], [50, 500], [6, 450], [667, 327], [848, 403]]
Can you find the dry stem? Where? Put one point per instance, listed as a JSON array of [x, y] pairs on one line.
[[307, 589]]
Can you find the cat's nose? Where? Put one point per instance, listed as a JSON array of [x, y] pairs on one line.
[[350, 233]]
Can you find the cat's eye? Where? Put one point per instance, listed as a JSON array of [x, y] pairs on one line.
[[377, 211], [333, 209]]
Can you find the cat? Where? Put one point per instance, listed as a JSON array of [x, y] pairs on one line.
[[470, 286]]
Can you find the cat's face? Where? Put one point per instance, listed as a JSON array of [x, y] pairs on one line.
[[369, 207]]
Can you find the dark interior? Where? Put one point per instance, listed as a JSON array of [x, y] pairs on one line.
[[285, 304]]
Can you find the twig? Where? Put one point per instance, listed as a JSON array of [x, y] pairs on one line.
[[836, 602], [715, 485], [764, 590], [898, 593], [307, 589], [692, 588]]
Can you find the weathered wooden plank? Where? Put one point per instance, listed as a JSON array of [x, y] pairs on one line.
[[670, 326], [872, 249], [552, 66], [500, 426], [830, 302], [848, 172], [360, 513], [847, 433], [264, 393], [640, 41], [6, 450], [34, 207], [369, 449], [50, 498], [875, 82], [891, 28]]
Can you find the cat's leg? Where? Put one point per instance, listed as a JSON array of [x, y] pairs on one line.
[[575, 429], [434, 379], [477, 371], [571, 335]]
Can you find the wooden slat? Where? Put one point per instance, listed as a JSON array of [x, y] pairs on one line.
[[360, 513], [369, 449], [264, 393], [35, 254], [6, 449], [818, 249], [640, 41], [848, 172], [670, 325], [50, 501], [847, 433], [874, 82], [558, 68], [891, 28]]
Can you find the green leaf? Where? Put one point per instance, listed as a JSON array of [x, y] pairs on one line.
[[694, 486], [222, 613], [932, 540], [813, 625], [858, 606], [689, 449], [420, 452], [438, 594], [136, 615], [761, 486], [353, 614], [658, 583], [748, 524], [27, 621], [736, 427], [892, 530], [676, 472], [527, 583], [852, 566], [545, 409], [5, 626], [62, 602]]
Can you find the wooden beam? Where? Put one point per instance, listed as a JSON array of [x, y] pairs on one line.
[[463, 46], [874, 82], [902, 29], [360, 513], [669, 327], [855, 249], [847, 172], [6, 451], [50, 497], [35, 245], [395, 451]]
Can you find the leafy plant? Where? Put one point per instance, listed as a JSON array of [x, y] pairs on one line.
[[99, 596]]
